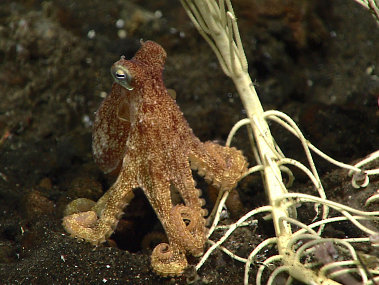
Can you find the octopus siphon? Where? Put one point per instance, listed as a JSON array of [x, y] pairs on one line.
[[140, 132]]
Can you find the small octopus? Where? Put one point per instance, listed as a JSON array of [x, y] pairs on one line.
[[140, 132]]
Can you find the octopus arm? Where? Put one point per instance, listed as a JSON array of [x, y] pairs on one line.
[[221, 166], [97, 224]]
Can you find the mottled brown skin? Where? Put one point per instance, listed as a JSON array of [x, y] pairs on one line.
[[144, 134]]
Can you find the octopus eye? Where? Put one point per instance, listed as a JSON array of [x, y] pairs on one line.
[[122, 76]]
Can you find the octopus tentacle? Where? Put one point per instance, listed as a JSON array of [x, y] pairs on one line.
[[79, 205], [168, 260], [190, 229], [187, 188], [221, 166], [96, 225]]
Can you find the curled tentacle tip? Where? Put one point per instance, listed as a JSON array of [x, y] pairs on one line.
[[73, 223], [78, 205], [166, 261]]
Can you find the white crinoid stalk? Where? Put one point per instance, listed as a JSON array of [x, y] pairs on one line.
[[216, 22]]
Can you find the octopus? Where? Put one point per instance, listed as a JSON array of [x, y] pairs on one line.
[[140, 133]]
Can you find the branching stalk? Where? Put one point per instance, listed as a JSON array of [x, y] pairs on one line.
[[216, 22], [220, 30]]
